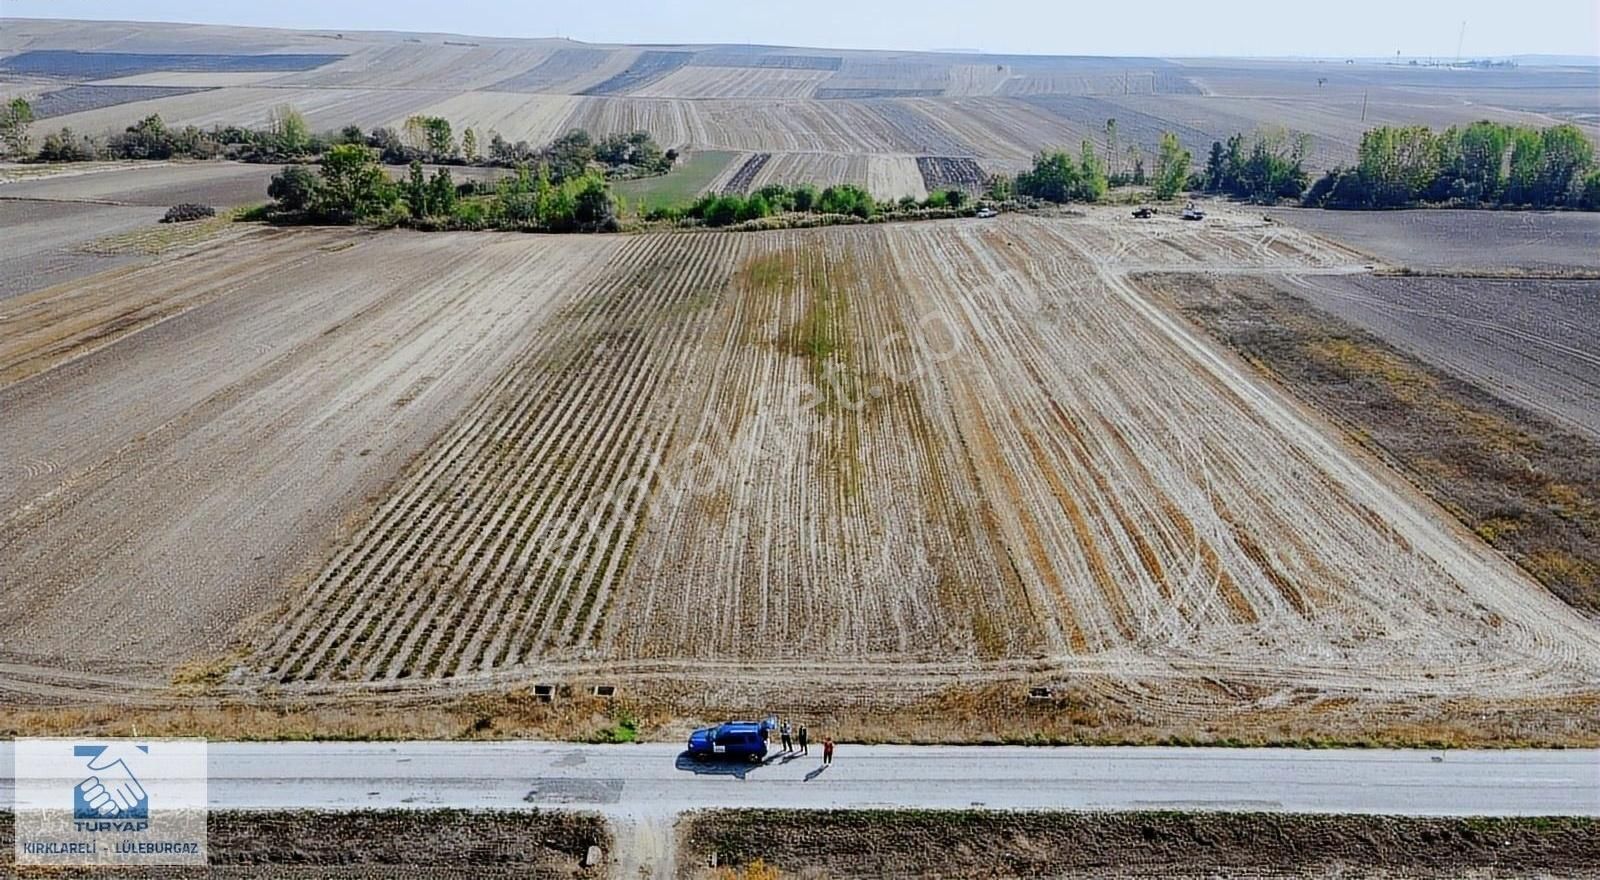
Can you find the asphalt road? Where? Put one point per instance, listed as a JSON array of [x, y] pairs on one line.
[[655, 779]]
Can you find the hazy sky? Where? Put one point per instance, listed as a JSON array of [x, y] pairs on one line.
[[1151, 27]]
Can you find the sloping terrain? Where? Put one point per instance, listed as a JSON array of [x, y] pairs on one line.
[[997, 109]]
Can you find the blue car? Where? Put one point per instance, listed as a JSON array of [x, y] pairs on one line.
[[736, 740]]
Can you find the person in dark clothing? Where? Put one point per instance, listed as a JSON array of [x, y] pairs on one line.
[[805, 741], [788, 737]]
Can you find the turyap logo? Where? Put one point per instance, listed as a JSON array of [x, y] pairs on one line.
[[110, 802], [111, 791]]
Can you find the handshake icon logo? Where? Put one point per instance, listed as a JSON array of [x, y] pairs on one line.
[[110, 790]]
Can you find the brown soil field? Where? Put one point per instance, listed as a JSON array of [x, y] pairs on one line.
[[435, 844], [1529, 341], [1462, 241], [973, 843], [882, 471], [1523, 483]]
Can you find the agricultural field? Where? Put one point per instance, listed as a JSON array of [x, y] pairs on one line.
[[736, 82], [831, 444], [694, 174], [944, 172], [998, 110], [303, 379], [1531, 342], [149, 184], [885, 176], [1465, 242], [67, 222], [937, 454], [77, 99], [868, 470], [50, 242]]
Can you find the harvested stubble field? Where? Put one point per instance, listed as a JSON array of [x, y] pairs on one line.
[[924, 464], [926, 453], [158, 415], [998, 109]]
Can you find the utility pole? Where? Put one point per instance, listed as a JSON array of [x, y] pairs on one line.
[[1459, 40], [1363, 107]]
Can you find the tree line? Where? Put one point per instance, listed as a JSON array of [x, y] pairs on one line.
[[840, 200], [1059, 177], [1481, 164], [288, 138], [351, 186]]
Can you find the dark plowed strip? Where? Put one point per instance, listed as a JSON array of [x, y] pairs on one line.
[[746, 175]]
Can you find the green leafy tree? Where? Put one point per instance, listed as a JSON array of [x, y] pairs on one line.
[[14, 121], [1480, 159], [290, 136], [1172, 167], [1567, 154], [1053, 178], [1113, 157], [469, 145], [441, 143], [354, 186], [441, 194], [1397, 164], [66, 146], [415, 190], [1216, 168], [569, 156], [1589, 199], [1092, 183], [296, 189], [1527, 167], [803, 198], [146, 139]]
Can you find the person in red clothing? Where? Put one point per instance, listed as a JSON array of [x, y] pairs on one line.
[[827, 750]]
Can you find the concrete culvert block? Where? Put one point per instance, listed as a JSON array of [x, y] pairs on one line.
[[592, 858], [605, 690], [544, 692], [1038, 692]]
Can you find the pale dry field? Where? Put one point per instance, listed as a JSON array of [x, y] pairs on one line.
[[180, 438], [998, 109], [868, 462], [892, 452]]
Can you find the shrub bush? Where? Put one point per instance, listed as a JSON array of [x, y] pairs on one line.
[[188, 213]]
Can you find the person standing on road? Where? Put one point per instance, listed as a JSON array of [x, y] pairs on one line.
[[805, 741], [827, 750], [788, 741]]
